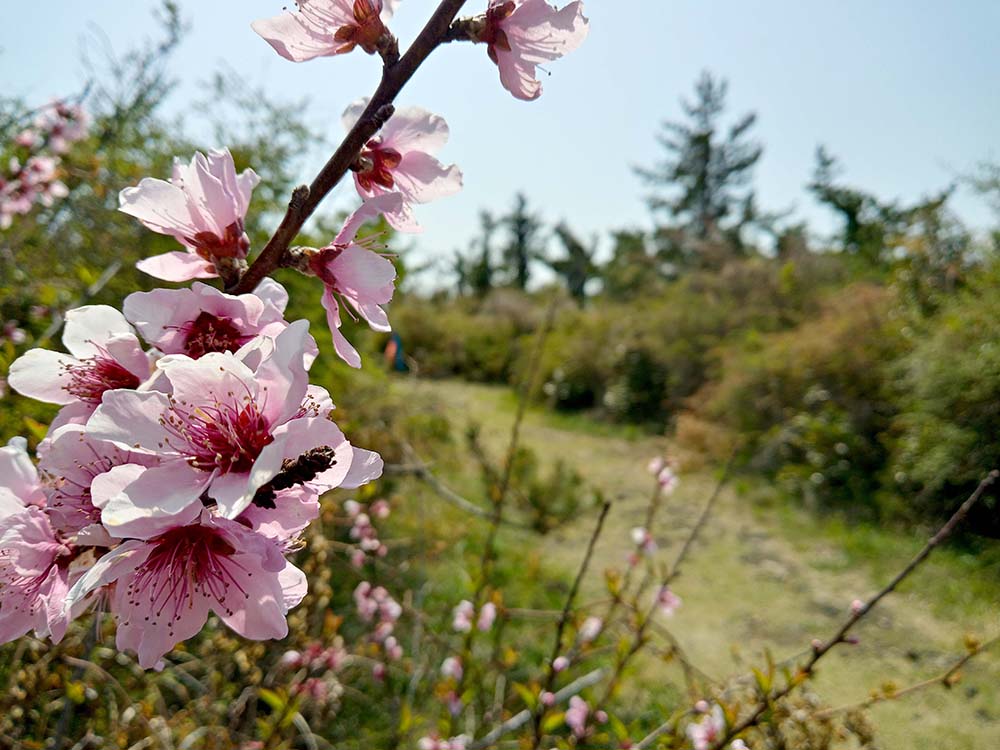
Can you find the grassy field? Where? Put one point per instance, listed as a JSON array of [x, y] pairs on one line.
[[767, 576]]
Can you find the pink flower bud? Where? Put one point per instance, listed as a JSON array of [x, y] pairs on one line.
[[560, 664]]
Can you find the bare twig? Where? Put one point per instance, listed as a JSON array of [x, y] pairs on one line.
[[823, 648], [945, 679], [564, 618], [521, 718]]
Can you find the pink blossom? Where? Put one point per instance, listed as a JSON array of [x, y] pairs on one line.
[[320, 28], [708, 730], [286, 515], [857, 607], [643, 539], [668, 480], [576, 715], [352, 272], [656, 465], [169, 578], [223, 431], [19, 482], [547, 698], [400, 159], [34, 575], [433, 742], [667, 601], [462, 616], [104, 355], [487, 616], [201, 319], [560, 664], [69, 465], [452, 668], [202, 206], [522, 34], [590, 629]]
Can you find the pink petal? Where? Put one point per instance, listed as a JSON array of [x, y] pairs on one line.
[[415, 129], [89, 328], [293, 37], [366, 466], [177, 266], [160, 206], [340, 344], [41, 374], [422, 178], [131, 419]]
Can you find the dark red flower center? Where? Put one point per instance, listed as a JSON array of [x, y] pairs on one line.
[[208, 333], [186, 562], [227, 437], [382, 161], [90, 378], [365, 32], [495, 37], [234, 242]]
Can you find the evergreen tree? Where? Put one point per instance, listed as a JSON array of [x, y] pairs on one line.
[[524, 243], [706, 175]]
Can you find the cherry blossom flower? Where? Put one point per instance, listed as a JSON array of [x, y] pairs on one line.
[[321, 28], [104, 355], [643, 539], [667, 480], [400, 159], [352, 272], [576, 715], [704, 733], [522, 34], [462, 616], [223, 431], [452, 667], [560, 664], [199, 320], [667, 601], [590, 629], [487, 616], [168, 578], [71, 461], [34, 575], [202, 206]]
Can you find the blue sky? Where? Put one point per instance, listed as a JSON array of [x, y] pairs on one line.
[[903, 92]]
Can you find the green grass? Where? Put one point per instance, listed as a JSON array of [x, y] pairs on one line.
[[765, 576]]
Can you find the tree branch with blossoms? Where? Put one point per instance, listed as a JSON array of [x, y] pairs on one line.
[[191, 450]]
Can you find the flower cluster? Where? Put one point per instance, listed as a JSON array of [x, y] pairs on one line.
[[32, 173], [191, 450], [176, 479]]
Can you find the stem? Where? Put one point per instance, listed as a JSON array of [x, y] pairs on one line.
[[564, 618], [944, 679], [841, 635], [305, 200]]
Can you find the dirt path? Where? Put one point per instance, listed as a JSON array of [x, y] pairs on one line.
[[748, 586]]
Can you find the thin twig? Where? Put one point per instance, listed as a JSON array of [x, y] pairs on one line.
[[521, 718], [821, 649], [945, 679], [564, 618]]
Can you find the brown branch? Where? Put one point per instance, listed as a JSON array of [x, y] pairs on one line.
[[564, 618], [945, 679], [306, 199], [821, 649]]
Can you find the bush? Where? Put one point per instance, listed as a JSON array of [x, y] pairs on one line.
[[813, 402], [948, 434]]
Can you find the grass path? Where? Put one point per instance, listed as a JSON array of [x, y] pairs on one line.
[[768, 579]]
